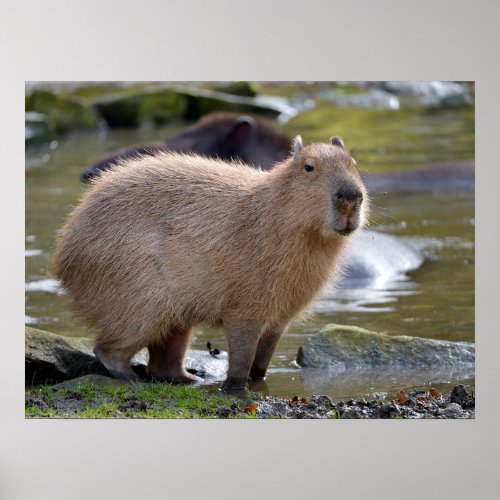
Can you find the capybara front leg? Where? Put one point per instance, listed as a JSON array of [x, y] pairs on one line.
[[166, 358], [117, 363], [242, 347], [265, 350]]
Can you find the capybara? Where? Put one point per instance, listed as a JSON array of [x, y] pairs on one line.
[[256, 141], [227, 136], [162, 243]]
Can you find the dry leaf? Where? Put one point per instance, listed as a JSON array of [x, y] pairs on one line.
[[250, 409], [401, 397], [303, 401], [435, 393]]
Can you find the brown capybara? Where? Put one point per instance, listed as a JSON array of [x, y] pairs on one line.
[[227, 136], [166, 242]]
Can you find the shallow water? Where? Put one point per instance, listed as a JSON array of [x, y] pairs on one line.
[[435, 301]]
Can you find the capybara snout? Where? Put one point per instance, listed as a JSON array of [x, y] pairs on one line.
[[162, 243], [337, 184]]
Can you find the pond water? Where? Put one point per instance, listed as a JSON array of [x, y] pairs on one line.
[[435, 301]]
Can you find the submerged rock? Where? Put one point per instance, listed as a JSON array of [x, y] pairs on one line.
[[375, 256], [348, 348]]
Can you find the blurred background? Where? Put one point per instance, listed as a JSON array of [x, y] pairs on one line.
[[389, 127]]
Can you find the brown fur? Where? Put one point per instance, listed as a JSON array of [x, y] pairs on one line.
[[160, 244]]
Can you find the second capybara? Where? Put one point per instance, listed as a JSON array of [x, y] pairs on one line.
[[163, 243], [256, 141], [227, 136]]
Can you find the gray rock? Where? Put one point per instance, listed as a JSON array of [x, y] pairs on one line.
[[273, 409], [430, 93], [453, 410], [51, 358], [129, 108], [347, 348]]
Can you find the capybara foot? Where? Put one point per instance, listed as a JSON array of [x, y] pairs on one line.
[[234, 385], [180, 377], [118, 368]]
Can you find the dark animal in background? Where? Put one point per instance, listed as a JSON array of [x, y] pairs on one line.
[[226, 136], [259, 143]]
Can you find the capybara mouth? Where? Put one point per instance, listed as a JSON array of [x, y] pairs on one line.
[[348, 229]]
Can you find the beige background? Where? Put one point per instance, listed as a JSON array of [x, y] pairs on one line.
[[258, 40]]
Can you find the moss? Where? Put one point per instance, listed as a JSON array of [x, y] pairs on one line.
[[63, 112], [245, 89]]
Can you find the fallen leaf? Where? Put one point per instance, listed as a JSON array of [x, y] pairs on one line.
[[250, 409], [303, 401], [401, 397], [434, 393]]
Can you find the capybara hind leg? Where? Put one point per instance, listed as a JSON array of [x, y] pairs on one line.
[[166, 358], [242, 347], [265, 350], [117, 364]]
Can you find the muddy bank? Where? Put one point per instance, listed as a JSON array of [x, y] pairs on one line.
[[95, 396]]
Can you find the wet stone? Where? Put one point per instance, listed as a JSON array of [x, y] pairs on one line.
[[224, 412], [36, 401], [389, 410], [323, 401], [453, 410], [460, 396], [274, 409]]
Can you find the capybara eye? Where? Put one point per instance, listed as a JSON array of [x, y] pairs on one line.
[[308, 168], [339, 196]]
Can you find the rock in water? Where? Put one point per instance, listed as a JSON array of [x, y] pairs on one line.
[[348, 348], [377, 258]]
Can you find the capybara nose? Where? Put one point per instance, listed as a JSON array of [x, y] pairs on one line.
[[350, 195]]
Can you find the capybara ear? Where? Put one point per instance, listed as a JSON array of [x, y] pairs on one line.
[[242, 132], [297, 147], [337, 141]]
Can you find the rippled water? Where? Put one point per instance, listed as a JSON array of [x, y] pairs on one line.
[[434, 301]]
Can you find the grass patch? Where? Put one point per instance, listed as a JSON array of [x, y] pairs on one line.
[[145, 400]]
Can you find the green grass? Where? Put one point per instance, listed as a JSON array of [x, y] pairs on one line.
[[155, 400]]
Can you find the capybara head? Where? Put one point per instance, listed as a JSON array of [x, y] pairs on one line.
[[326, 180]]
